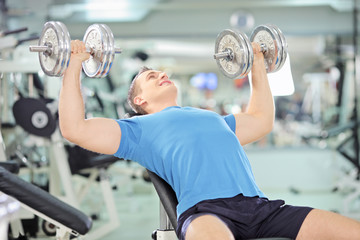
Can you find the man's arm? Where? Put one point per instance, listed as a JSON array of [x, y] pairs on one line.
[[258, 120], [97, 134]]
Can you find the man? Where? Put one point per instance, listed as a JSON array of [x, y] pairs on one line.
[[199, 154]]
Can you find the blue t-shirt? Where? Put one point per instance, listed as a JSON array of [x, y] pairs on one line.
[[195, 151]]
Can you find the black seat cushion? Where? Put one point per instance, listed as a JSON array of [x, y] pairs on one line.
[[43, 202]]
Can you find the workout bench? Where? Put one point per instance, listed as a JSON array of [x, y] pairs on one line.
[[67, 219], [168, 218]]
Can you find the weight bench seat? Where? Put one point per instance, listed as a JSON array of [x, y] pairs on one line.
[[43, 202], [167, 197], [169, 201]]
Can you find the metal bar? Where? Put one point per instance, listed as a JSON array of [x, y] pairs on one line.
[[4, 33], [165, 223], [92, 51], [48, 49], [39, 48], [222, 55]]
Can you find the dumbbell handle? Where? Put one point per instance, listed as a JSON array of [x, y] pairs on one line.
[[226, 54], [47, 48], [263, 47], [229, 54], [39, 48], [222, 55]]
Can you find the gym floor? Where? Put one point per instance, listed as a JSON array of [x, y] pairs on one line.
[[300, 176]]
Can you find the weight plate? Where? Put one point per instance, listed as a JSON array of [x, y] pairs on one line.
[[284, 45], [281, 49], [34, 117], [66, 48], [111, 49], [238, 65], [51, 37], [107, 52], [104, 54], [59, 51], [94, 39], [250, 59], [266, 35]]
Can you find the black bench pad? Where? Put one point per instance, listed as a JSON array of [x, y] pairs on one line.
[[43, 202], [167, 197], [11, 166], [80, 158]]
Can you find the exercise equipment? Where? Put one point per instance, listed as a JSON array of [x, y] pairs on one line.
[[7, 32], [67, 219], [168, 216], [34, 117], [234, 53], [8, 42], [54, 49]]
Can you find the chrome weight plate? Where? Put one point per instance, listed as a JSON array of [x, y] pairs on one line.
[[238, 62], [250, 55], [50, 60], [58, 50], [283, 44], [267, 36], [107, 49], [96, 39], [66, 48], [111, 50]]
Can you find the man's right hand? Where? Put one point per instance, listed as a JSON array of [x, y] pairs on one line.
[[95, 134], [78, 51]]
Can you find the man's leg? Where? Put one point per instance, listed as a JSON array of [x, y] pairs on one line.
[[321, 224], [208, 227]]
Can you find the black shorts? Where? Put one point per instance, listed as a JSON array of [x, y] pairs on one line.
[[249, 217]]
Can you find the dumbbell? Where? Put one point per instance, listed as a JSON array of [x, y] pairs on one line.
[[54, 49], [234, 53]]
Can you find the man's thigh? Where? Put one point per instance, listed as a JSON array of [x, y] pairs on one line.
[[207, 226], [285, 222], [320, 224]]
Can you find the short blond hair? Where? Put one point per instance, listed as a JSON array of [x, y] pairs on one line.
[[134, 90]]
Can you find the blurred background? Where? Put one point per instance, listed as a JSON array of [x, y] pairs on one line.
[[310, 158]]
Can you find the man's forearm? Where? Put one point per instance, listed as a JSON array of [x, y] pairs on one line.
[[71, 104], [261, 102]]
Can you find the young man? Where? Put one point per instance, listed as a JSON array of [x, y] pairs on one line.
[[199, 153]]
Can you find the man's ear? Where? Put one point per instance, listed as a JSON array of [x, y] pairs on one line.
[[139, 101]]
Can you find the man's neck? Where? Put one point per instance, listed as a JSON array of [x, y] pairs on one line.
[[160, 107]]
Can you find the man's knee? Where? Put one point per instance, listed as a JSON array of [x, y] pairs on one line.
[[208, 227]]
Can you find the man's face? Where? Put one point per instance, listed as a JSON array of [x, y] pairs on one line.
[[155, 86]]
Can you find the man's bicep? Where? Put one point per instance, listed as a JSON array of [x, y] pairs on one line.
[[249, 128], [100, 135]]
